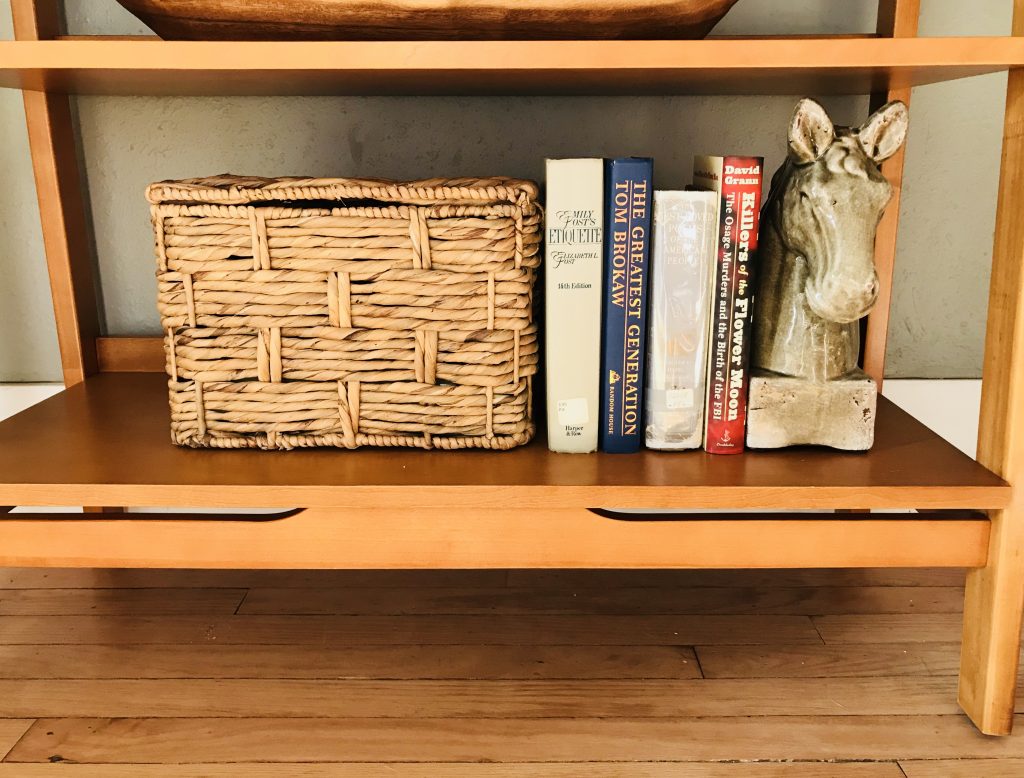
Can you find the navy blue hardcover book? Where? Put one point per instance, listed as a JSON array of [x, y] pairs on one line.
[[629, 192]]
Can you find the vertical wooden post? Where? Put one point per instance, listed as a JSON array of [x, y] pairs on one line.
[[61, 208], [995, 593], [51, 136], [896, 19]]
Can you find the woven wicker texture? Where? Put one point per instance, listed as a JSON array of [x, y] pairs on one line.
[[339, 312]]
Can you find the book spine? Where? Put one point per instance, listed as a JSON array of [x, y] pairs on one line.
[[572, 286], [685, 236], [629, 188], [739, 186]]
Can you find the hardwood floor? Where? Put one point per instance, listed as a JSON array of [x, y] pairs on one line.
[[492, 674]]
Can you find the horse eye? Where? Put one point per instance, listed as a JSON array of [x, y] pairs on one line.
[[804, 197]]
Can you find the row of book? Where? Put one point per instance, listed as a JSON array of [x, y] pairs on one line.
[[648, 303]]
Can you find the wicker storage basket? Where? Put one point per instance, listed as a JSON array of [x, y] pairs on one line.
[[336, 312]]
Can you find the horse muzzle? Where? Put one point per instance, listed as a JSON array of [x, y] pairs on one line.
[[842, 303]]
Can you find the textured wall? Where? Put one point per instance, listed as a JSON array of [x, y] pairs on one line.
[[938, 317], [947, 219]]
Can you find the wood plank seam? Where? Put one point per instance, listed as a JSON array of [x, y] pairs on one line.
[[6, 752], [515, 740], [818, 720]]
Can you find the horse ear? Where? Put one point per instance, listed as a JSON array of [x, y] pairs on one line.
[[884, 132], [810, 132]]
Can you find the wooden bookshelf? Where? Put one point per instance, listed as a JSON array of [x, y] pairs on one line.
[[726, 66], [104, 441]]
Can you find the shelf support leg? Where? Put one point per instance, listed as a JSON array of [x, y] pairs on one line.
[[995, 593], [66, 235], [61, 205], [896, 19]]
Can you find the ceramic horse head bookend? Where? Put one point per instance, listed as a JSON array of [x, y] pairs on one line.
[[817, 280]]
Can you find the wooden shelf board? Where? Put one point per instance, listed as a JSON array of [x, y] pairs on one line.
[[498, 538], [106, 442], [717, 66]]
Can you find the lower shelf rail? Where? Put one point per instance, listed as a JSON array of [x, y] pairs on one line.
[[473, 538]]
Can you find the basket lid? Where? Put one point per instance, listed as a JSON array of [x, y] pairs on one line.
[[228, 189]]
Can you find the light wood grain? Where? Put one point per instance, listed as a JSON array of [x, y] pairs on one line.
[[888, 628], [831, 661], [810, 661], [472, 770], [105, 443], [10, 732], [510, 740], [130, 355], [944, 659], [59, 602], [142, 578], [37, 19], [896, 19], [752, 66], [370, 661], [474, 538], [856, 577], [693, 600], [66, 237], [341, 631], [323, 698], [309, 679], [995, 594], [963, 768]]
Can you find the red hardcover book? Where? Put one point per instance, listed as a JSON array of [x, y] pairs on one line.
[[737, 180]]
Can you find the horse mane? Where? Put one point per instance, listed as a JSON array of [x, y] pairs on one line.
[[844, 156]]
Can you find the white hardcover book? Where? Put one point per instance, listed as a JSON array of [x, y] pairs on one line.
[[573, 227], [679, 306]]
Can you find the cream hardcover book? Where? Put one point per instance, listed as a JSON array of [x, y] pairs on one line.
[[572, 301], [679, 308]]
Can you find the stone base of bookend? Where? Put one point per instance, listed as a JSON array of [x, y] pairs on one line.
[[784, 411]]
